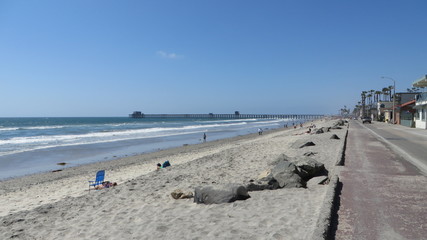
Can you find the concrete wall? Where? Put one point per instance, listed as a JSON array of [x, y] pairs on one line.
[[421, 118]]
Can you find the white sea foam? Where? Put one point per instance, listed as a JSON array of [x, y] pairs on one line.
[[71, 143], [31, 128], [230, 120], [42, 127], [9, 129]]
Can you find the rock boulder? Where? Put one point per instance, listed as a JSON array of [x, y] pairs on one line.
[[334, 136], [220, 194], [302, 143], [309, 167], [286, 175]]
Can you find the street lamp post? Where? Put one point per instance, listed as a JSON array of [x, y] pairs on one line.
[[394, 97]]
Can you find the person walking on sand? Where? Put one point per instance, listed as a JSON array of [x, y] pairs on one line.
[[259, 131], [204, 137]]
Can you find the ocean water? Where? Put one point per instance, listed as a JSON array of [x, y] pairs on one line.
[[31, 145]]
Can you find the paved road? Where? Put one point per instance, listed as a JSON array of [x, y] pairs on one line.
[[383, 196], [410, 143]]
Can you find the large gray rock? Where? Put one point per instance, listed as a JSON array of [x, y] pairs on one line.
[[334, 136], [302, 143], [284, 157], [320, 180], [220, 194], [326, 129], [286, 175], [308, 154], [309, 167], [262, 185], [340, 123], [318, 131]]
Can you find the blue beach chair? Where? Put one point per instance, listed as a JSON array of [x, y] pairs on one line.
[[98, 180]]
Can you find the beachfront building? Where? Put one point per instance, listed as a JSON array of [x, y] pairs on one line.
[[421, 104], [384, 111], [372, 110], [405, 114]]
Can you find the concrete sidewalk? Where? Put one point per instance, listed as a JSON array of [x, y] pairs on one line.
[[381, 195]]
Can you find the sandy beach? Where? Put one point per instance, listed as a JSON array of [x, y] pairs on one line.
[[58, 205]]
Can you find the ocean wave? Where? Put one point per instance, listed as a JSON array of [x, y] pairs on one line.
[[54, 144], [115, 134], [9, 129], [41, 127], [30, 128], [270, 121], [104, 134], [231, 120]]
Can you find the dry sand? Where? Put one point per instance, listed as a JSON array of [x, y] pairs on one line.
[[59, 205]]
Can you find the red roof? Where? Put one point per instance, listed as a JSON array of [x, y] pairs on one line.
[[408, 103]]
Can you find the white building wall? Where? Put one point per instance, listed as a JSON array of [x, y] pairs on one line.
[[421, 120]]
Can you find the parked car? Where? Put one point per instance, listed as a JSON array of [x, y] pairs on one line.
[[366, 120]]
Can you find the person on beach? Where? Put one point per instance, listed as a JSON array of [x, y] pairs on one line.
[[204, 137], [106, 184], [259, 131], [306, 132], [164, 165]]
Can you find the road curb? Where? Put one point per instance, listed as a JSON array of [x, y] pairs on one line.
[[341, 155], [323, 224]]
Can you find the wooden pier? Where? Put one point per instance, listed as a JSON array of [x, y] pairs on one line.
[[230, 116]]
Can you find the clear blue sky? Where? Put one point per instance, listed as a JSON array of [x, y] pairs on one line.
[[109, 57]]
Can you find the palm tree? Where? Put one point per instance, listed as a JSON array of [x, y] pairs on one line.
[[377, 95], [372, 95], [356, 109], [385, 96], [385, 93], [344, 111], [363, 95], [369, 96]]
